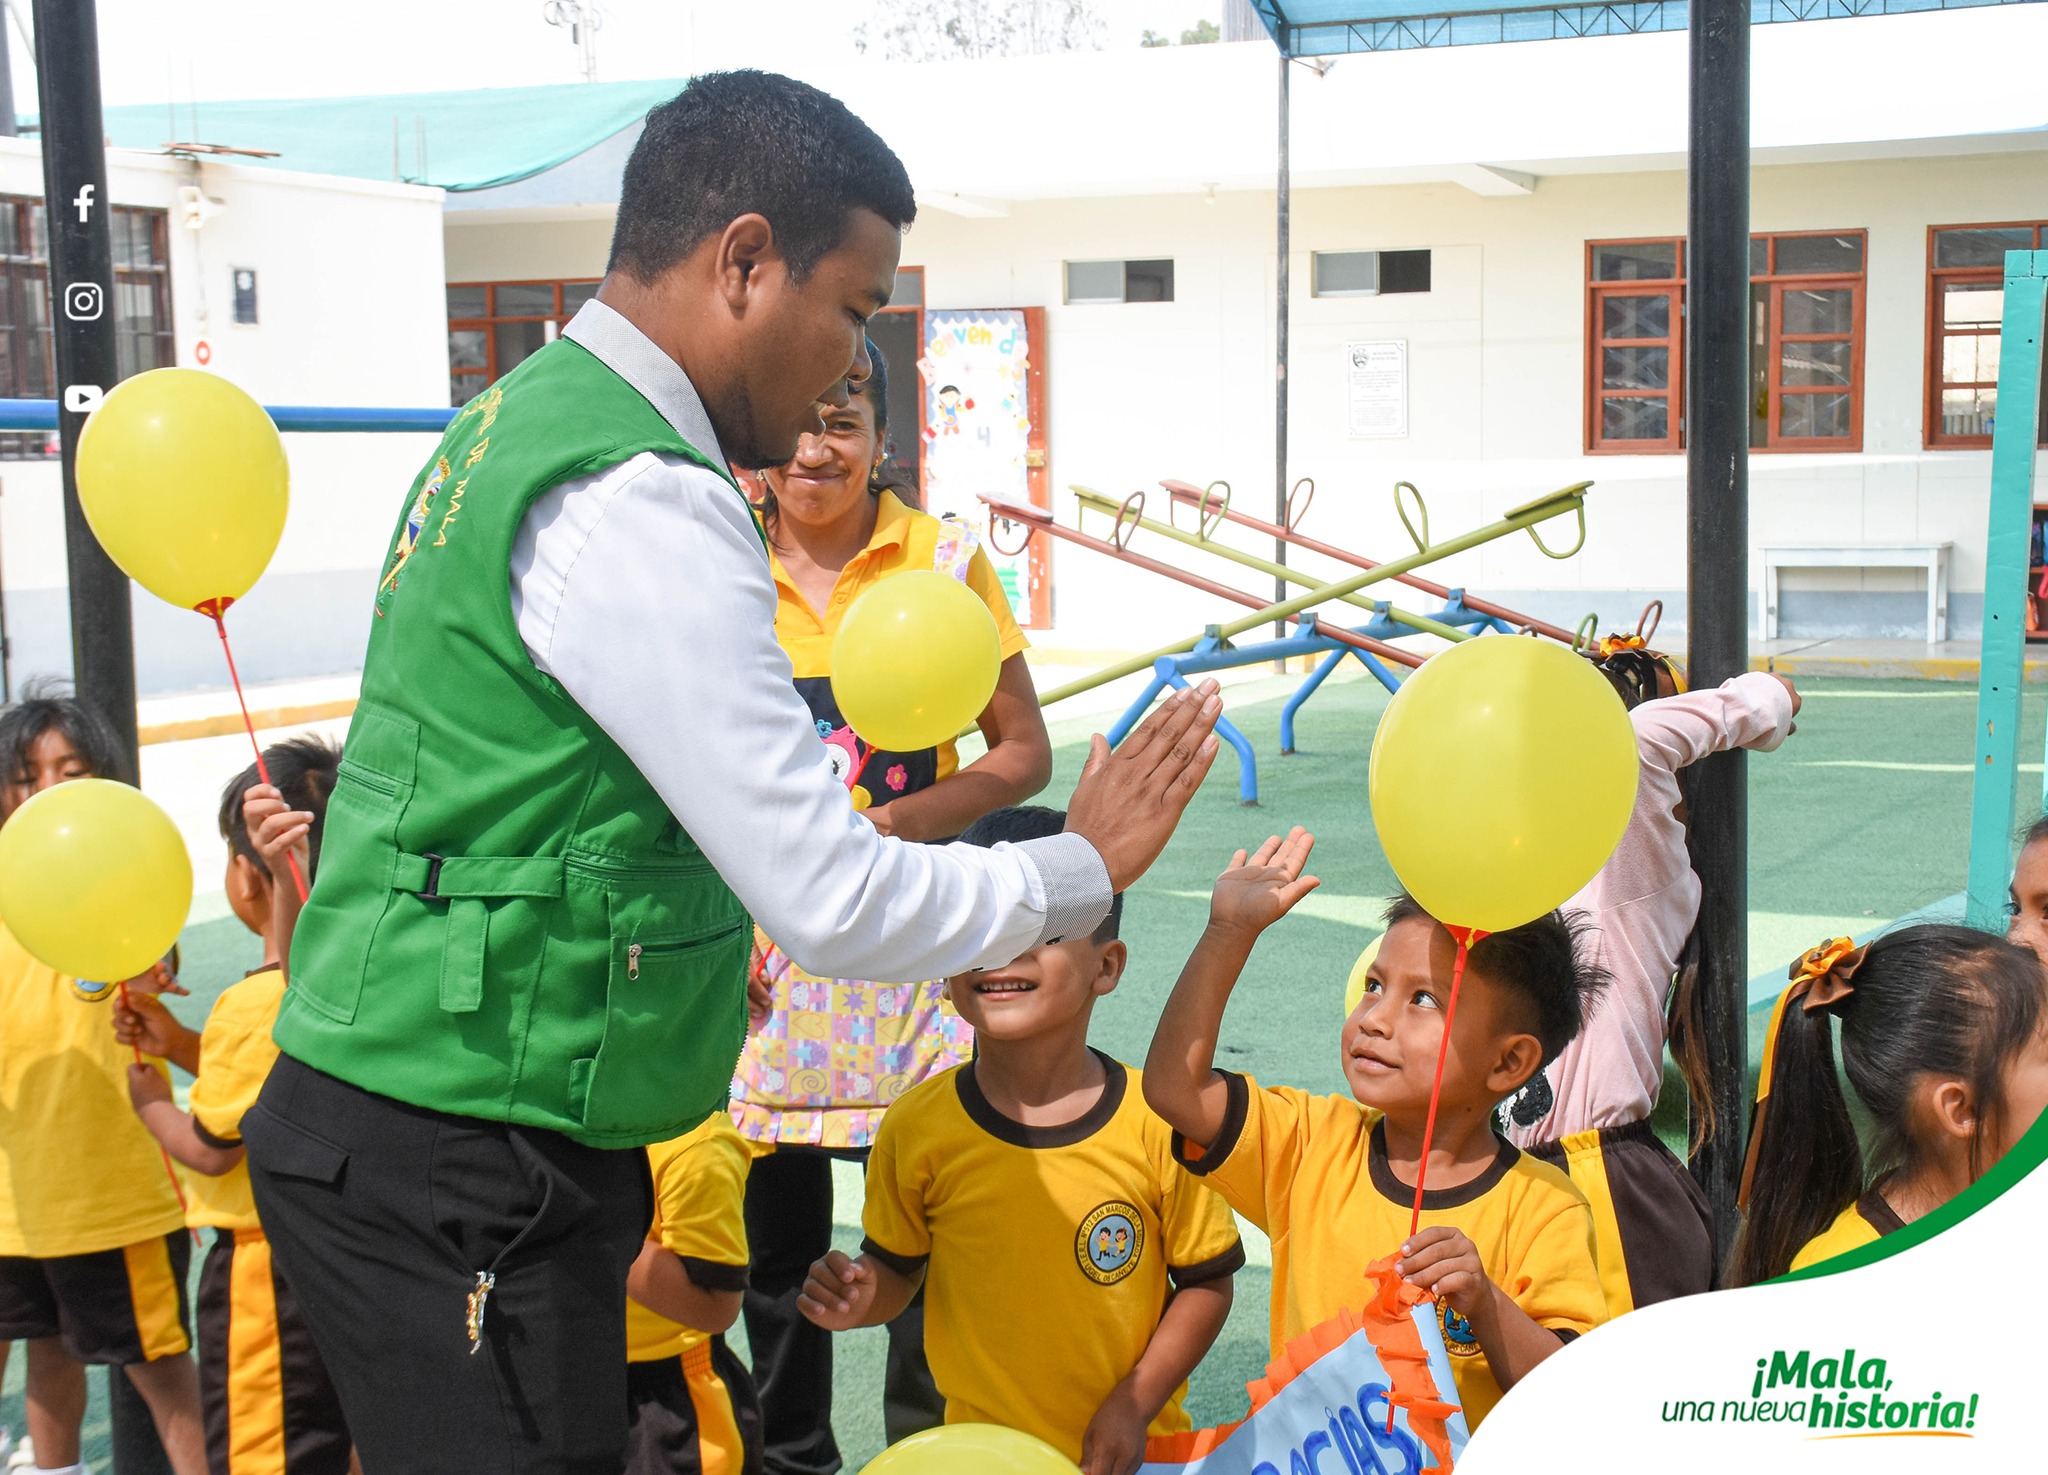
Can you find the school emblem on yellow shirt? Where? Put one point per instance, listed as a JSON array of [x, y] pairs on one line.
[[1111, 1240], [89, 991], [1459, 1338]]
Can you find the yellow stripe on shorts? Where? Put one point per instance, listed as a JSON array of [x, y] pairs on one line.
[[153, 1297], [719, 1449], [255, 1361], [1587, 1167]]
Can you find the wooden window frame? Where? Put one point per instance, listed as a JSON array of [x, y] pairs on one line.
[[1932, 437], [488, 324], [30, 349], [1778, 283], [1593, 392]]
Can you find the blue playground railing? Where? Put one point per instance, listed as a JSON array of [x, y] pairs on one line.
[[1213, 653], [41, 414]]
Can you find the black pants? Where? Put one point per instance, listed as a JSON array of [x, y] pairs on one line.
[[386, 1218], [789, 1226]]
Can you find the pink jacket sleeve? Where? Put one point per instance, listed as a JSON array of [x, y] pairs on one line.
[[1643, 905]]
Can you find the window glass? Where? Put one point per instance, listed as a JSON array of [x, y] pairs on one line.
[[1635, 419], [1816, 363], [516, 341], [1404, 271], [1983, 246], [467, 302], [909, 290], [1823, 310], [1636, 317], [575, 294], [1819, 255], [1759, 256], [525, 300], [466, 349], [1148, 281], [1344, 273], [1095, 281], [1643, 261], [1969, 411], [1635, 368], [1814, 417]]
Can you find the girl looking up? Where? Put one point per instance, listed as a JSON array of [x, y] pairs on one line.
[[1944, 1045]]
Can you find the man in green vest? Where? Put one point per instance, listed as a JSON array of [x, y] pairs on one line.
[[577, 772]]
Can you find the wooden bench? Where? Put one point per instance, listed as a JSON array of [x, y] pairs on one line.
[[1932, 557]]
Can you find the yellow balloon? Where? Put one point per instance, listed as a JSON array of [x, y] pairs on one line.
[[1354, 986], [970, 1449], [184, 481], [94, 879], [915, 661], [1503, 776]]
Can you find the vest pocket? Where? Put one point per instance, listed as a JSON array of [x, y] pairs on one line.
[[675, 1019]]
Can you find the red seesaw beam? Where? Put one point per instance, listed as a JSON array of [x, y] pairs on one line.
[[1189, 495], [1039, 520]]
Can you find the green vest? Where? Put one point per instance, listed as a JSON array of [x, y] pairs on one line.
[[509, 924]]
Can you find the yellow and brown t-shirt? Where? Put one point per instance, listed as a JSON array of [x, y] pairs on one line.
[[79, 1173], [235, 1056], [1049, 1251], [1312, 1171], [700, 1195], [1864, 1222]]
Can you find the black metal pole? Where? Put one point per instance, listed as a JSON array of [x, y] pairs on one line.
[[82, 313], [1716, 429], [1284, 232]]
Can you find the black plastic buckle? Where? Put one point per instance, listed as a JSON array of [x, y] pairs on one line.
[[433, 889]]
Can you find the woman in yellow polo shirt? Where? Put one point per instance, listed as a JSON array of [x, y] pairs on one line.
[[828, 1055]]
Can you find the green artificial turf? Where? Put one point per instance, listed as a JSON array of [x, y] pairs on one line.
[[1862, 818]]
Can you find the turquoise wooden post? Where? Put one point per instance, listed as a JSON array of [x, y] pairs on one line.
[[1995, 787]]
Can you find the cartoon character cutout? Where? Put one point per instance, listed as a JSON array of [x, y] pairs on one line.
[[950, 403]]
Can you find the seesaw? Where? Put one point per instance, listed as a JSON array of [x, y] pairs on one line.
[[1215, 648]]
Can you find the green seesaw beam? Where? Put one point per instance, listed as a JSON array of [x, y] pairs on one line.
[[1571, 499], [1421, 624]]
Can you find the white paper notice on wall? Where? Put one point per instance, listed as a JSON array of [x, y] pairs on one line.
[[1376, 389]]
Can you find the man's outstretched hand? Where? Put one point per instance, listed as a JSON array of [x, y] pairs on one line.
[[1128, 801]]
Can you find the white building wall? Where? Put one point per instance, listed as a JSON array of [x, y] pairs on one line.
[[351, 312], [1496, 409]]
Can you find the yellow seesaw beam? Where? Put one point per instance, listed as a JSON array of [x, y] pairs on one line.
[[1520, 519], [1421, 624]]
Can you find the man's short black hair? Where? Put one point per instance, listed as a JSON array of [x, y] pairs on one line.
[[1544, 962], [1022, 822], [303, 769], [752, 143]]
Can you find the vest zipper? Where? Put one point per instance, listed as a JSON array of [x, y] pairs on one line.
[[632, 960]]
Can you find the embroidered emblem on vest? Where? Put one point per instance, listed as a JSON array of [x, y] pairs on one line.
[[415, 523]]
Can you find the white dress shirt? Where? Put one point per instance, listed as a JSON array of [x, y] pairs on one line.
[[645, 591]]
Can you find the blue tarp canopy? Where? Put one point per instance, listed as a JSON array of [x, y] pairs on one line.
[[460, 140], [1335, 27]]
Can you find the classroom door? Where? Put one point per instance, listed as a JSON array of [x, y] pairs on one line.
[[983, 376]]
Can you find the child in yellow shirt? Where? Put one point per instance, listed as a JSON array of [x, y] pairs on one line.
[[691, 1405], [269, 1407], [1035, 1198], [1506, 1243], [93, 1249]]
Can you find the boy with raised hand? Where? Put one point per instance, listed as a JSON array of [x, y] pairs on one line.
[[1037, 1196], [1506, 1243], [268, 1404]]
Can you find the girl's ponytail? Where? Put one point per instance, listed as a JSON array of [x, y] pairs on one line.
[[1932, 1000], [1804, 1164]]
